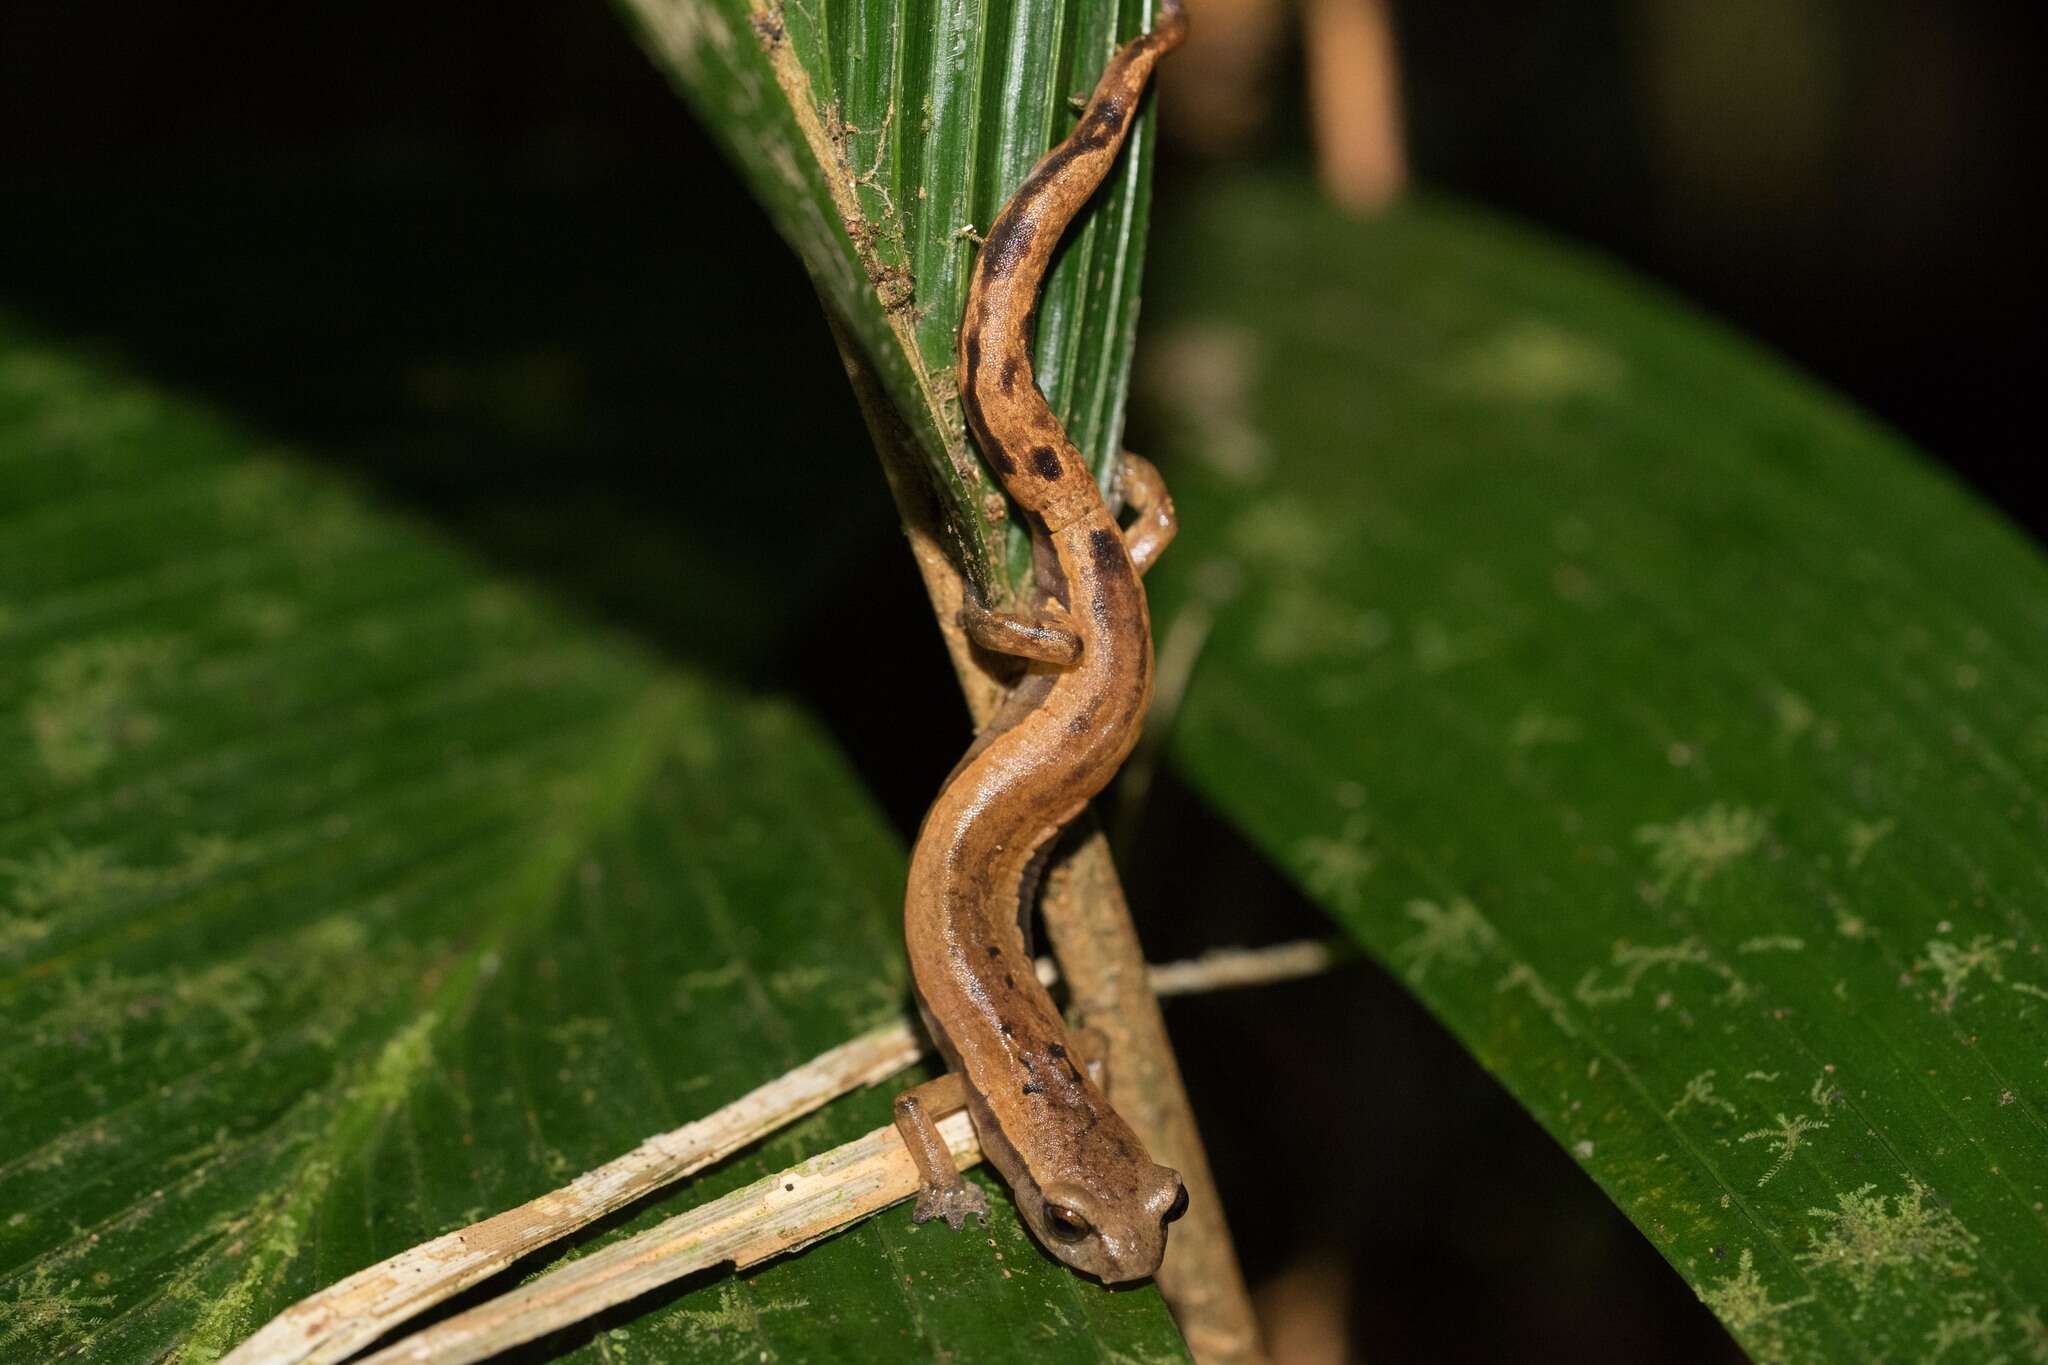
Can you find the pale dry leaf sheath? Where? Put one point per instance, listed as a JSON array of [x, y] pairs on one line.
[[341, 1319], [770, 1217], [1225, 969], [346, 1316]]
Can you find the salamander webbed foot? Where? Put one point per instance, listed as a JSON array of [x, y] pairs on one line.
[[941, 1192], [951, 1202]]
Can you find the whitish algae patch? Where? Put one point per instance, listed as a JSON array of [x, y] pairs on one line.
[[1300, 624], [323, 977], [1955, 966], [800, 983], [91, 702], [1439, 649], [1861, 836], [61, 876], [286, 1213], [1457, 934], [1766, 1327], [1783, 1138], [1204, 377], [709, 981], [1699, 1092], [1688, 853], [1284, 533], [1904, 1248], [737, 1316], [39, 1313], [60, 879], [1824, 1091], [18, 933], [1536, 728], [2034, 1333], [1978, 1334], [1535, 361], [1523, 977], [1336, 869], [1794, 716], [1635, 961], [1771, 943], [263, 615]]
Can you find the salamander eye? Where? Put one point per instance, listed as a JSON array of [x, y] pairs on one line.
[[1065, 1224], [1180, 1206]]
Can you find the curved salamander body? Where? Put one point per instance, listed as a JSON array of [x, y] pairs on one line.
[[1081, 1177]]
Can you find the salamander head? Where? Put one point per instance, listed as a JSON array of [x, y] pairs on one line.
[[1112, 1239]]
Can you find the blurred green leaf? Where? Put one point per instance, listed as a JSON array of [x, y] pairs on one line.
[[1676, 735], [348, 894], [877, 137]]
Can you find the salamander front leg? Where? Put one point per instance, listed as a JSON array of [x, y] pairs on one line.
[[1146, 494], [1048, 636], [941, 1193]]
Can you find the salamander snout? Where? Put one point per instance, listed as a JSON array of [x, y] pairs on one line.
[[1112, 1239]]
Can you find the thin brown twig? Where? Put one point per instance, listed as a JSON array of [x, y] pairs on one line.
[[1090, 927]]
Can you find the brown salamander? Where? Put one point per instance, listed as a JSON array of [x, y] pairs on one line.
[[1082, 1179]]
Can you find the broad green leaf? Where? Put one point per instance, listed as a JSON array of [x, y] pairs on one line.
[[348, 894], [1679, 737], [874, 135]]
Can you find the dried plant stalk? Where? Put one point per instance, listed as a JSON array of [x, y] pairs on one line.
[[333, 1324], [770, 1217], [336, 1322]]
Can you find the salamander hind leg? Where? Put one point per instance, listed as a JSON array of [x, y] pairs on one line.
[[941, 1193], [1048, 636], [1146, 493]]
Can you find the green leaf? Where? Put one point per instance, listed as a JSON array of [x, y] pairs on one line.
[[874, 135], [348, 894], [1678, 737]]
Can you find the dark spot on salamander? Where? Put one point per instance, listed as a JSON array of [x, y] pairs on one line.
[[1045, 462], [1029, 1065], [970, 401], [1009, 375], [1055, 1050], [1009, 981], [1107, 550], [994, 951], [1009, 244], [1102, 127], [1033, 1088], [1003, 1027]]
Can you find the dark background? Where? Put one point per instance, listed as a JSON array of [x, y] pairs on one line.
[[482, 258]]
